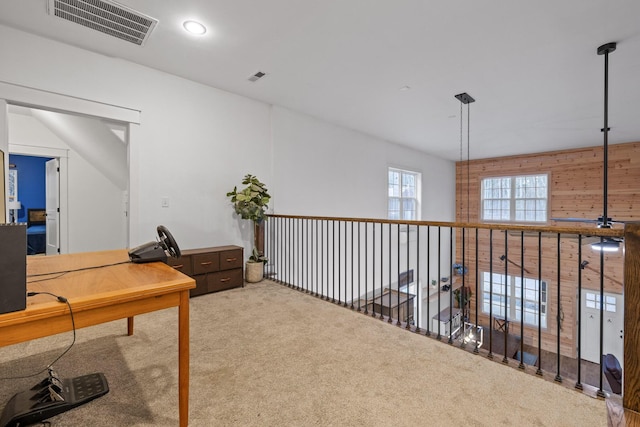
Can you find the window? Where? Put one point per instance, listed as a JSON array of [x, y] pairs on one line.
[[515, 198], [403, 191], [593, 301], [507, 291]]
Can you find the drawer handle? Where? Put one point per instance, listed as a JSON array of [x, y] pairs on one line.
[[206, 263], [231, 259], [178, 266], [226, 279]]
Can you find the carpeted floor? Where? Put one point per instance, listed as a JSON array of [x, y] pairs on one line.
[[266, 355]]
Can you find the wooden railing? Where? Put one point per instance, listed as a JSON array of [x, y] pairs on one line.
[[631, 369], [385, 268]]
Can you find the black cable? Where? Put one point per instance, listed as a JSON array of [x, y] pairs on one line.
[[62, 273], [73, 325]]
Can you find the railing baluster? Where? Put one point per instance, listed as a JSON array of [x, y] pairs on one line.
[[339, 247], [333, 256], [373, 270], [389, 320], [579, 333], [381, 271], [476, 348], [539, 370], [600, 392], [490, 355], [346, 267], [558, 378], [291, 258], [429, 325], [398, 272], [309, 256], [507, 285], [322, 259], [408, 326], [317, 270], [419, 296], [521, 365], [439, 336]]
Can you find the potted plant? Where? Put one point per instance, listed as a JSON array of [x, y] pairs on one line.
[[251, 203], [255, 267], [463, 296]]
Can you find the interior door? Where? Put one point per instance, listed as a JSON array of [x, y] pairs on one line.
[[52, 195], [613, 328]]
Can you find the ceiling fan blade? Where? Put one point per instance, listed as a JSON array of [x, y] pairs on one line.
[[593, 221]]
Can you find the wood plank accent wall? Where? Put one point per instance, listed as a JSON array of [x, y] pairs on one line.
[[575, 190]]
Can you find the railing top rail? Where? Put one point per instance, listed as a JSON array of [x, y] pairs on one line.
[[585, 231]]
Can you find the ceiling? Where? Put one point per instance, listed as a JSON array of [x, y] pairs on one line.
[[531, 66]]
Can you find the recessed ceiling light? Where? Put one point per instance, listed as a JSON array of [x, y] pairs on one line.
[[194, 27]]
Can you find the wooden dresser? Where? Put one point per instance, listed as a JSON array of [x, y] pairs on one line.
[[214, 269]]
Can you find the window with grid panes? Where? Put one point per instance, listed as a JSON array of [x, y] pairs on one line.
[[403, 194], [518, 199], [505, 294]]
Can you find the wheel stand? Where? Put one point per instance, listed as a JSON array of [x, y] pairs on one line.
[[51, 397]]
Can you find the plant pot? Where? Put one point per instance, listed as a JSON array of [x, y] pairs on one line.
[[254, 272]]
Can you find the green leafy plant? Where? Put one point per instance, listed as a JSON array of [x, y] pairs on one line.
[[463, 295], [257, 257], [252, 201]]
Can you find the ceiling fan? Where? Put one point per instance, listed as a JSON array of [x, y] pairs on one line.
[[603, 221]]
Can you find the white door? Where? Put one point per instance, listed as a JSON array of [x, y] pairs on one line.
[[612, 340], [52, 195]]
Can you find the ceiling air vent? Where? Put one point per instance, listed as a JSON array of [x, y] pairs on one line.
[[256, 76], [105, 16]]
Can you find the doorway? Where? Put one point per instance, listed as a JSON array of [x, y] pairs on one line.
[[32, 181], [87, 196], [613, 325]]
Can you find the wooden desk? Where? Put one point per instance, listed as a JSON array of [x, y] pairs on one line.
[[99, 295]]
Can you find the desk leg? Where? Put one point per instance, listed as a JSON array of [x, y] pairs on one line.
[[183, 358], [130, 326]]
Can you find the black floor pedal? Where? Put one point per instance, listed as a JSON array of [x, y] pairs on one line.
[[52, 397]]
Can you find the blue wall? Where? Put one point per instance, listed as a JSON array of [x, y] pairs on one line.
[[31, 183]]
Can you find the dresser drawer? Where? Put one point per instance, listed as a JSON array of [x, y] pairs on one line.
[[206, 263], [182, 264], [231, 259], [224, 280], [201, 285]]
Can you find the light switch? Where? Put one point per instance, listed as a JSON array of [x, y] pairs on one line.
[[165, 202]]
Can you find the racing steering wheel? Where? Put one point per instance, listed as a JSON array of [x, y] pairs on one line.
[[167, 242]]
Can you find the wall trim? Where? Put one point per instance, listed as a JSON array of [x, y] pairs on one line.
[[44, 99]]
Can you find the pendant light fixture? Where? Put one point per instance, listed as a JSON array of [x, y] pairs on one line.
[[606, 244], [465, 99]]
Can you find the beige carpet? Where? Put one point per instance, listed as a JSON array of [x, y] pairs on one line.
[[266, 355]]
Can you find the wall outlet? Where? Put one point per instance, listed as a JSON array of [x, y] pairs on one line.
[[164, 202]]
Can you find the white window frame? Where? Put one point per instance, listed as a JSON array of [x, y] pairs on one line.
[[513, 294], [508, 200], [593, 301], [416, 200]]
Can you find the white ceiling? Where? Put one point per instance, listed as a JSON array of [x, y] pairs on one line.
[[531, 65]]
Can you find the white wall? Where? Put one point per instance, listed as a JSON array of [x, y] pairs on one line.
[[328, 170], [194, 143]]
